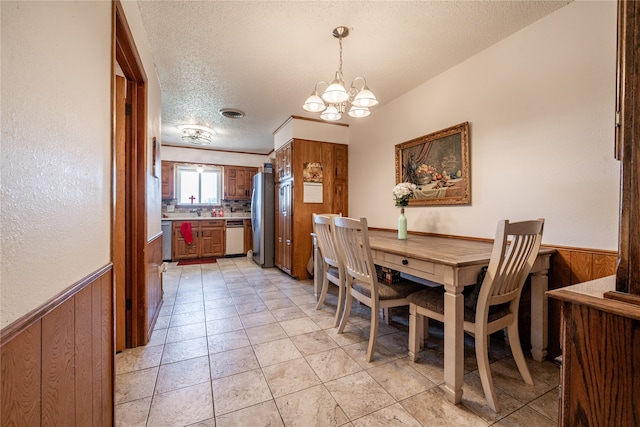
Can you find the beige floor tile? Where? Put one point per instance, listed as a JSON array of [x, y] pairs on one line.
[[221, 302], [132, 414], [158, 337], [359, 394], [240, 391], [220, 326], [220, 313], [299, 326], [261, 415], [381, 354], [188, 307], [526, 417], [399, 379], [473, 397], [134, 359], [227, 341], [431, 408], [258, 319], [187, 318], [181, 407], [183, 374], [547, 404], [135, 385], [182, 350], [507, 378], [332, 364], [313, 342], [252, 307], [313, 407], [288, 313], [289, 377], [270, 353], [391, 416], [232, 362], [187, 332], [274, 304], [266, 333]]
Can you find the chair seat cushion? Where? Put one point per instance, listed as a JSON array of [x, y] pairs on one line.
[[333, 272], [388, 292], [433, 299]]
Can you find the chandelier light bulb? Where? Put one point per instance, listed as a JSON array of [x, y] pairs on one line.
[[331, 114], [359, 112], [365, 98], [314, 104]]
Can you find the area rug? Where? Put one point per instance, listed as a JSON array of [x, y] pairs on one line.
[[197, 261]]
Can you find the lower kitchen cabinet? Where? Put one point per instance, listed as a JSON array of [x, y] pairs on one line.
[[208, 240]]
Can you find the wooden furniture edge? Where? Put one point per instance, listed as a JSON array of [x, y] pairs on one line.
[[485, 239], [14, 328], [592, 294]]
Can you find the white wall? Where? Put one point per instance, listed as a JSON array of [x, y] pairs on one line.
[[195, 155], [55, 222], [154, 112], [541, 111], [312, 130]]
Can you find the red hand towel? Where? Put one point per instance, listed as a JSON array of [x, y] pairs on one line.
[[185, 229]]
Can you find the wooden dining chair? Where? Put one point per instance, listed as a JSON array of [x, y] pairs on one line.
[[492, 305], [352, 241], [333, 270]]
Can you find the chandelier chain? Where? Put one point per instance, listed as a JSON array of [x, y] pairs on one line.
[[340, 68]]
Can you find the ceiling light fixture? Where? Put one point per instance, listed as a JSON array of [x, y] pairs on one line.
[[194, 134], [336, 99]]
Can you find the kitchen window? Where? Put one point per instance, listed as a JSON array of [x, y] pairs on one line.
[[198, 185]]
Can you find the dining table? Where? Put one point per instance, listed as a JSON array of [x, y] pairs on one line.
[[454, 262]]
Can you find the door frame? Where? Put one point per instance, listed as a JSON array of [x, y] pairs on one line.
[[125, 54]]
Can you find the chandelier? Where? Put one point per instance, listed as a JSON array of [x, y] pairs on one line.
[[194, 134], [336, 99]]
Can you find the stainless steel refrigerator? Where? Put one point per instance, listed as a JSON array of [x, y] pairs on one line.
[[263, 219]]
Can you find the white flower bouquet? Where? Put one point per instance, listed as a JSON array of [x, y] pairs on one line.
[[403, 192]]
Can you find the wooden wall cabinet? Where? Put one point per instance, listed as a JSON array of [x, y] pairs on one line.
[[208, 240], [167, 180], [238, 182], [293, 215]]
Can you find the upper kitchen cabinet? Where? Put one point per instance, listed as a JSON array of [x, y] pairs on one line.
[[167, 180], [283, 162], [238, 182]]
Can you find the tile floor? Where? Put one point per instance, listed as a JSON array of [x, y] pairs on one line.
[[236, 345]]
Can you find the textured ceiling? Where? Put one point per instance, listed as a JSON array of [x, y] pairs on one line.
[[265, 57]]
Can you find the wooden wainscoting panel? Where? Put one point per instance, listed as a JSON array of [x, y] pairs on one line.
[[84, 357], [604, 265], [58, 361], [106, 352], [154, 283], [58, 354], [20, 369], [581, 266]]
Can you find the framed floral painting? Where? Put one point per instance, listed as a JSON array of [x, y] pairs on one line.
[[438, 164]]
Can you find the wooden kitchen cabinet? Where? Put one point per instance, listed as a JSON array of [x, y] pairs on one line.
[[208, 240], [293, 215], [238, 182], [167, 180]]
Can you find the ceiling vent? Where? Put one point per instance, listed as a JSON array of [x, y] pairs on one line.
[[232, 113]]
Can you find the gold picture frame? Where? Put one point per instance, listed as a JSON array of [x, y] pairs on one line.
[[438, 163]]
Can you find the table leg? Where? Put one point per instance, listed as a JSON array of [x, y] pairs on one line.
[[539, 337], [453, 343]]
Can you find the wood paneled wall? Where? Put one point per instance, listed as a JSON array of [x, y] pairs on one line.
[[568, 267], [153, 293], [58, 362]]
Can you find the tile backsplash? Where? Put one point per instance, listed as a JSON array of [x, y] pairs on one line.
[[229, 207]]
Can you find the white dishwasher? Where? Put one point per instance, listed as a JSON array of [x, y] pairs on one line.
[[234, 237]]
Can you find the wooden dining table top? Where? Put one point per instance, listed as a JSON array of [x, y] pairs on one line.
[[450, 251]]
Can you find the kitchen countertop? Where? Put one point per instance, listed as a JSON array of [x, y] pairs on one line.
[[203, 217]]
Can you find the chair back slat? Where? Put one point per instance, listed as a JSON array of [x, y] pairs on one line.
[[322, 227], [352, 240], [515, 249]]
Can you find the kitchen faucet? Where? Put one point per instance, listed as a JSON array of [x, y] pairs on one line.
[[197, 211]]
